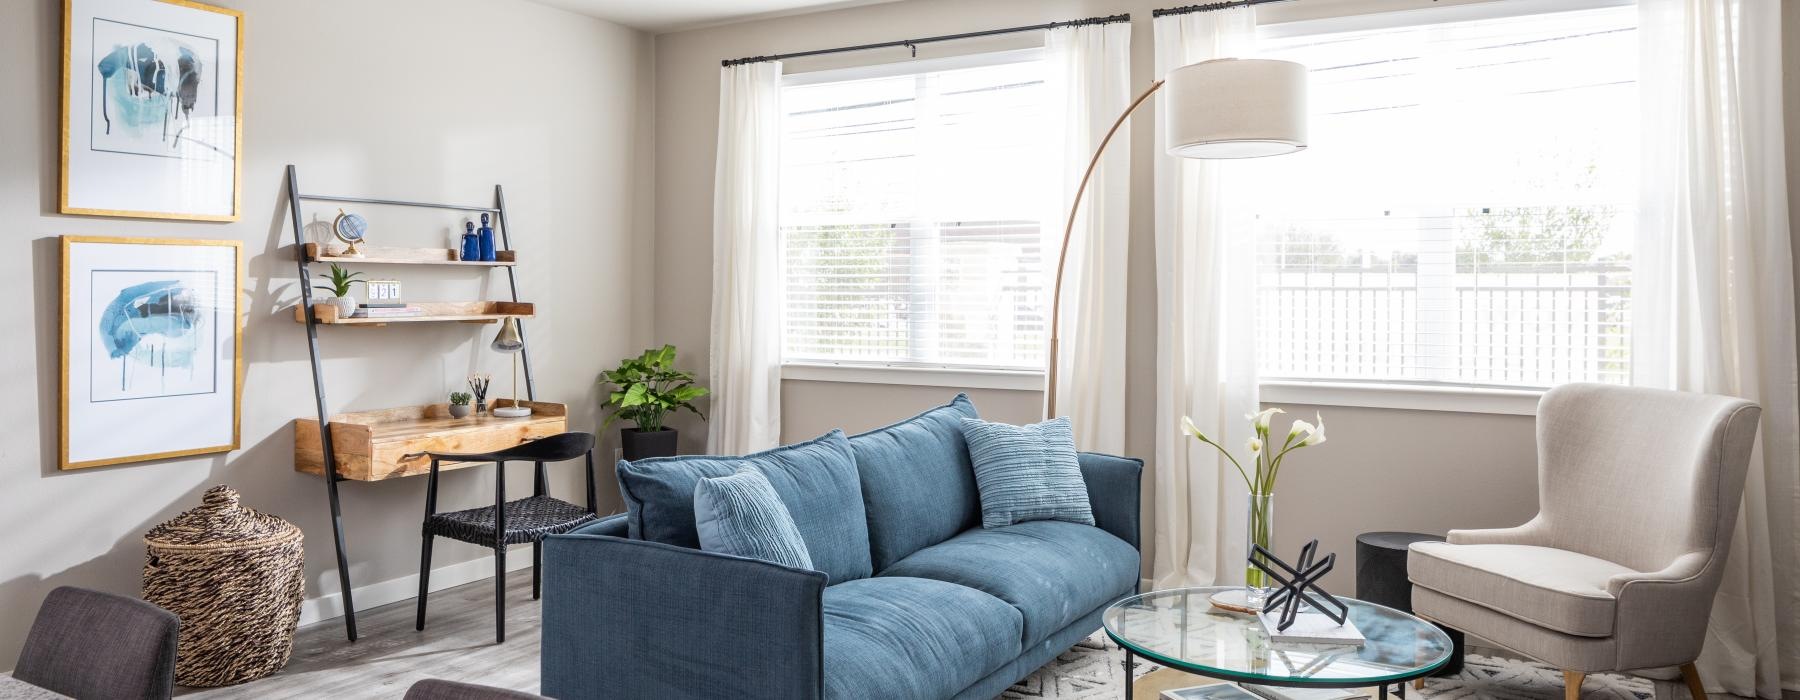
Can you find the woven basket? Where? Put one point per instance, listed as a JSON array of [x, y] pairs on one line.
[[234, 577]]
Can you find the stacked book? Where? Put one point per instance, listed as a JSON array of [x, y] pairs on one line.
[[388, 311], [1231, 691]]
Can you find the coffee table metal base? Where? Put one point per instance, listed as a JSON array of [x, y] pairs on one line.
[[1130, 664]]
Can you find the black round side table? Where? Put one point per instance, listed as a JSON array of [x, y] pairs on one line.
[[1381, 579]]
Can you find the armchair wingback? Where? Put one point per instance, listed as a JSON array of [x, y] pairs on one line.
[[1638, 493]]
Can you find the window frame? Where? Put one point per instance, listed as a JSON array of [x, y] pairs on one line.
[[1458, 397], [1383, 394], [895, 371]]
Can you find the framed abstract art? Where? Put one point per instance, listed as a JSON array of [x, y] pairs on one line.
[[152, 109], [152, 338]]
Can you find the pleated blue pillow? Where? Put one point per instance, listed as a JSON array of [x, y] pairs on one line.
[[1027, 472], [742, 515]]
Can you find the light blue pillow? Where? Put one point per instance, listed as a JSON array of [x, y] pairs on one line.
[[742, 515], [1027, 472]]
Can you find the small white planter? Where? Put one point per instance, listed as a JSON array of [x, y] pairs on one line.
[[346, 306]]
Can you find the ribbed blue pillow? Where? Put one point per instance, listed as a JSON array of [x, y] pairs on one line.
[[1027, 472], [742, 515]]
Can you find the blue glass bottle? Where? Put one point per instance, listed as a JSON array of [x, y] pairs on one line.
[[471, 243], [487, 240]]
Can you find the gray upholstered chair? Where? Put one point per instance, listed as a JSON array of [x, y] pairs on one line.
[[1638, 493], [99, 646]]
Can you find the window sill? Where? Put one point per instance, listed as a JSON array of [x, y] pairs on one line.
[[1452, 399], [916, 376]]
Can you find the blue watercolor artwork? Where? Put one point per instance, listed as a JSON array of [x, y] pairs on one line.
[[154, 331], [156, 94]]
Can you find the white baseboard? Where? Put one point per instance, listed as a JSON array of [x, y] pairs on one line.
[[381, 593]]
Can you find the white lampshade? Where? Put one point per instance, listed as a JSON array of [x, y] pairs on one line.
[[1235, 108]]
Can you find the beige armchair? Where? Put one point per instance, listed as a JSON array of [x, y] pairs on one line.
[[1638, 493]]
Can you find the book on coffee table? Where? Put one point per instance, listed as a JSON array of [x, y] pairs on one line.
[[1273, 693], [1211, 691], [1311, 628]]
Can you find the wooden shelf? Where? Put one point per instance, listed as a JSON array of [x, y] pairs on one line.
[[391, 443], [435, 312], [404, 256]]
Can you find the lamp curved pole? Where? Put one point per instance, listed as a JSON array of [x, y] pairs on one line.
[[1062, 258]]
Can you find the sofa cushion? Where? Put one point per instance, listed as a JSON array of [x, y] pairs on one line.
[[1052, 571], [1552, 588], [1027, 472], [917, 485], [816, 481], [742, 515], [896, 637]]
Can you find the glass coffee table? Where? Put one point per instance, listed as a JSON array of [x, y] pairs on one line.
[[1180, 629]]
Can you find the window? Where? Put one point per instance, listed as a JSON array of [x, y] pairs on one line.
[[1465, 213], [910, 212]]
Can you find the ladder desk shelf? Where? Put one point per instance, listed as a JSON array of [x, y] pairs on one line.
[[370, 438]]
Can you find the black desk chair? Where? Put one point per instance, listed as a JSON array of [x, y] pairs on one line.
[[508, 522]]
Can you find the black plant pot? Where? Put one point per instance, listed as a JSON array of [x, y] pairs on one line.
[[641, 444]]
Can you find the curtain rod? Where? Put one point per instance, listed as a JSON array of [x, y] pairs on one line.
[[913, 43], [1208, 7]]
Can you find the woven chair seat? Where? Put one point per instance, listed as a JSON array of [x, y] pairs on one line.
[[527, 520]]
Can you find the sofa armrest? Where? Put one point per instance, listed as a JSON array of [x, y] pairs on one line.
[[1531, 533], [634, 619], [1662, 615], [609, 526], [1113, 484]]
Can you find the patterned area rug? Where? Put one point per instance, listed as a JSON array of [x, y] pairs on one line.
[[1090, 670]]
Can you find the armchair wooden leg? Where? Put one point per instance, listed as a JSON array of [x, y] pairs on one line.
[[1692, 675], [1572, 684]]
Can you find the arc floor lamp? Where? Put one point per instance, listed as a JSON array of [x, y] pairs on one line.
[[1223, 108]]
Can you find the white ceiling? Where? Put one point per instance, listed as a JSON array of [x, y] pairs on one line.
[[659, 16]]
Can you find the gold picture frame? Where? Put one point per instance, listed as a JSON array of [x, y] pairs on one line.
[[237, 119], [77, 306]]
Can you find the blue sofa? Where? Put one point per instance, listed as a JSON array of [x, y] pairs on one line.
[[912, 599]]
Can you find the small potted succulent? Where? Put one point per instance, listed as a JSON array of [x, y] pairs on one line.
[[645, 389], [341, 279], [459, 404]]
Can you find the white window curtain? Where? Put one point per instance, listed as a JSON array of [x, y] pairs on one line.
[[1714, 297], [1205, 354], [746, 307], [1089, 76]]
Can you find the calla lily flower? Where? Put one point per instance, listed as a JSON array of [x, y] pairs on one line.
[[1316, 435], [1298, 428], [1188, 427], [1255, 445], [1261, 418]]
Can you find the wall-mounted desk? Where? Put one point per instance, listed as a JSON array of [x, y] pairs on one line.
[[392, 443]]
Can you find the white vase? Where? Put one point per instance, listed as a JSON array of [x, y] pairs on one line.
[[346, 306]]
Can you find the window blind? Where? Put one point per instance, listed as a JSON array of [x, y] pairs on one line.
[[1466, 210], [910, 219]]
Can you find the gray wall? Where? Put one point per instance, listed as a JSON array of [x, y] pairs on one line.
[[421, 99], [1383, 469]]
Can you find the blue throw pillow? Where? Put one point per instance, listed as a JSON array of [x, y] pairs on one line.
[[816, 480], [742, 515], [1027, 472]]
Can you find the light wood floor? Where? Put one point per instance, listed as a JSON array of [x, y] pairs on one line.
[[457, 644]]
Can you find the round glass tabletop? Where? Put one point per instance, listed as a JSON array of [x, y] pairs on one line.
[[1179, 628]]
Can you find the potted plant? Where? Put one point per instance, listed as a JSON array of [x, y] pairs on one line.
[[459, 404], [1266, 458], [341, 279], [645, 390]]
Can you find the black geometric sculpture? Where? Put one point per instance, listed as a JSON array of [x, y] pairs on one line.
[[1296, 583]]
